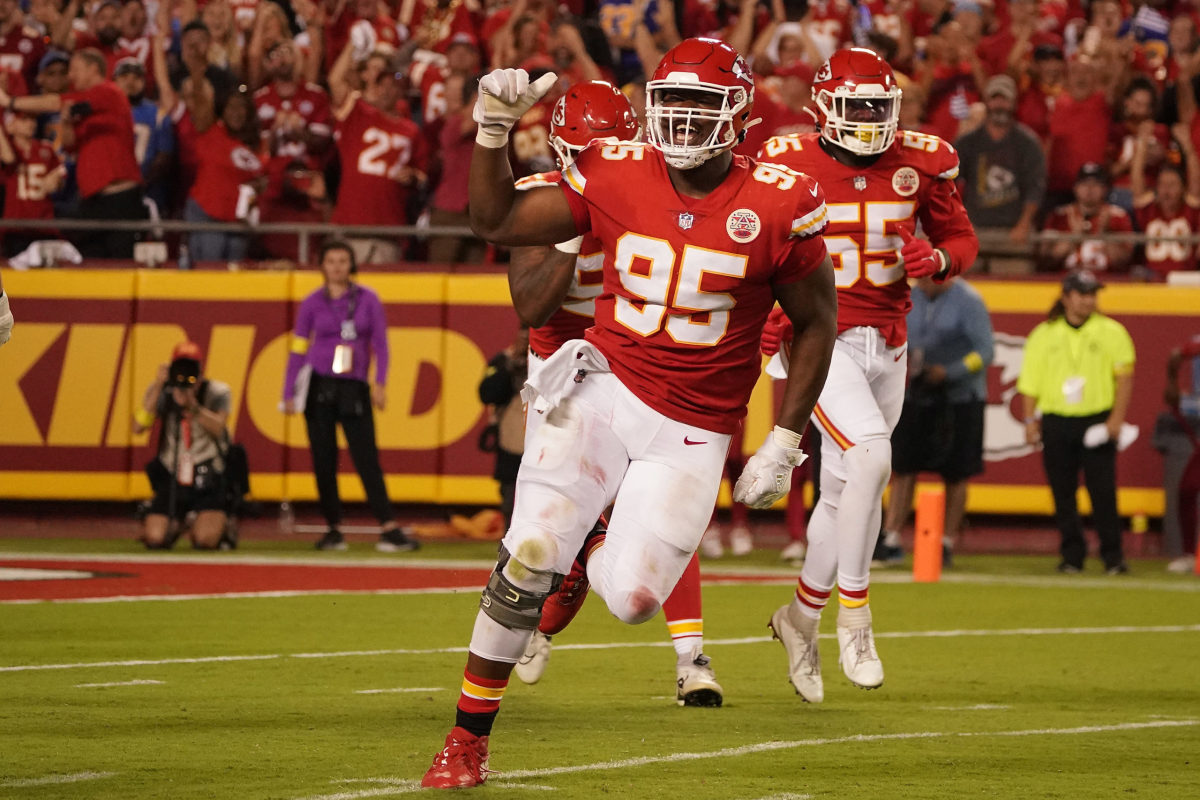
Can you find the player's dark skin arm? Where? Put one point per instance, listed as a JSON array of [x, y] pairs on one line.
[[502, 215], [811, 305], [538, 280]]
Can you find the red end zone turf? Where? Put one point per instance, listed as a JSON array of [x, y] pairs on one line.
[[75, 579]]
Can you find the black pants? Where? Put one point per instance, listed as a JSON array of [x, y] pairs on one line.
[[338, 400], [1063, 455], [126, 205]]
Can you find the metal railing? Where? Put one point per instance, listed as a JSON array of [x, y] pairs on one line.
[[993, 243]]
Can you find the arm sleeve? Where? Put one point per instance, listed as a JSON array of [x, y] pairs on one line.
[[379, 339], [298, 348], [979, 333], [1029, 381]]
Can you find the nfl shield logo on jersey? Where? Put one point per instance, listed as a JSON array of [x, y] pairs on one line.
[[860, 182], [743, 226], [686, 220]]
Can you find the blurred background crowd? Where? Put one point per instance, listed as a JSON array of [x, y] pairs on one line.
[[1069, 115]]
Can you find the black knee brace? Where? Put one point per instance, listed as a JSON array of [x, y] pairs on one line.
[[510, 605]]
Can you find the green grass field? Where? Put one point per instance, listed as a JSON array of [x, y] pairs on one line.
[[1003, 681]]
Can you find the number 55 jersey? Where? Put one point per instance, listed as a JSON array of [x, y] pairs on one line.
[[688, 281], [911, 181]]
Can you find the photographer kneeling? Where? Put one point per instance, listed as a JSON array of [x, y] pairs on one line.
[[188, 474]]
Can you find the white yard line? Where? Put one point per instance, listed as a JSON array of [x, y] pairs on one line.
[[54, 780], [1078, 631], [406, 787], [119, 683], [402, 689]]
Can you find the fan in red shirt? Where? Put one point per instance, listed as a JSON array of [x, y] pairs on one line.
[[227, 169], [32, 171], [104, 35], [21, 47], [1088, 214], [1040, 88], [295, 117], [1079, 127], [362, 24], [433, 23], [98, 124], [1170, 209], [382, 160]]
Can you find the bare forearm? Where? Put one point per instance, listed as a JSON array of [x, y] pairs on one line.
[[1124, 393], [539, 279], [491, 192]]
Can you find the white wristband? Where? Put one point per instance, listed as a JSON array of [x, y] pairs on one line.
[[486, 137], [789, 440], [571, 246]]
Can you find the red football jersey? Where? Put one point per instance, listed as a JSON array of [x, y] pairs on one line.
[[1166, 255], [828, 24], [578, 310], [223, 165], [24, 190], [688, 282], [307, 107], [103, 138], [531, 151], [1090, 254], [21, 48], [433, 92], [375, 150], [911, 181]]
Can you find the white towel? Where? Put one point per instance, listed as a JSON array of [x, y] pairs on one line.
[[32, 256], [1097, 435], [557, 377]]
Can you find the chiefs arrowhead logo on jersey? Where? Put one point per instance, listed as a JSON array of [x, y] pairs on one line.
[[743, 226], [906, 181]]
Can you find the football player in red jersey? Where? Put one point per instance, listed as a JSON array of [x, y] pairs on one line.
[[879, 183], [698, 245], [592, 111]]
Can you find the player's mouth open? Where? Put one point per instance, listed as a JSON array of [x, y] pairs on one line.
[[684, 133]]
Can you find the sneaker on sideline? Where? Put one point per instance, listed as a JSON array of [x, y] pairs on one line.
[[710, 545], [396, 540], [795, 551], [1182, 565], [1117, 569], [1069, 569], [741, 541], [695, 683], [532, 665], [463, 762], [332, 540]]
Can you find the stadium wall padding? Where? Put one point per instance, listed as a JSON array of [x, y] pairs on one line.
[[87, 343]]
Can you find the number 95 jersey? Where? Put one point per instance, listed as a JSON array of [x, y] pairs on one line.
[[688, 281]]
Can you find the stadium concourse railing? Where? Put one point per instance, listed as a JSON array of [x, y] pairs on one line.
[[89, 339], [999, 255]]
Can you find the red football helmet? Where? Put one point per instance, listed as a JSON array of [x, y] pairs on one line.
[[698, 67], [587, 112], [859, 100]]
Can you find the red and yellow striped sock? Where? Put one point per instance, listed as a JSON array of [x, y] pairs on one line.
[[812, 601], [479, 703], [852, 598]]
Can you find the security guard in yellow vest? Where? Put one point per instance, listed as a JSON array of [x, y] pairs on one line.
[[1078, 373]]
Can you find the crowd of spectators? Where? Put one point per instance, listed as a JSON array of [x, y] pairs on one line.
[[1071, 115]]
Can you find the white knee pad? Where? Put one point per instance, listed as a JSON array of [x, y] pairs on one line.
[[869, 464]]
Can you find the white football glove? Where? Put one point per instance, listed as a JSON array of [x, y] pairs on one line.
[[6, 319], [768, 474], [504, 97]]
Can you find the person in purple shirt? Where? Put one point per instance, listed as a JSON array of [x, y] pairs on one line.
[[338, 328]]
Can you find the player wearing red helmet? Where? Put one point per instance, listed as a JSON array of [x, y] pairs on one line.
[[880, 182], [588, 112], [639, 413]]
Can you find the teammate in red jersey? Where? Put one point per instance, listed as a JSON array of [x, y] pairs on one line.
[[594, 111], [879, 183], [698, 244]]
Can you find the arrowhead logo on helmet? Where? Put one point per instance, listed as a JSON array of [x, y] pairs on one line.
[[859, 101], [588, 112], [698, 102]]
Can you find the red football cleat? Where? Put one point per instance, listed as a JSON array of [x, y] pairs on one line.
[[562, 606], [463, 762]]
